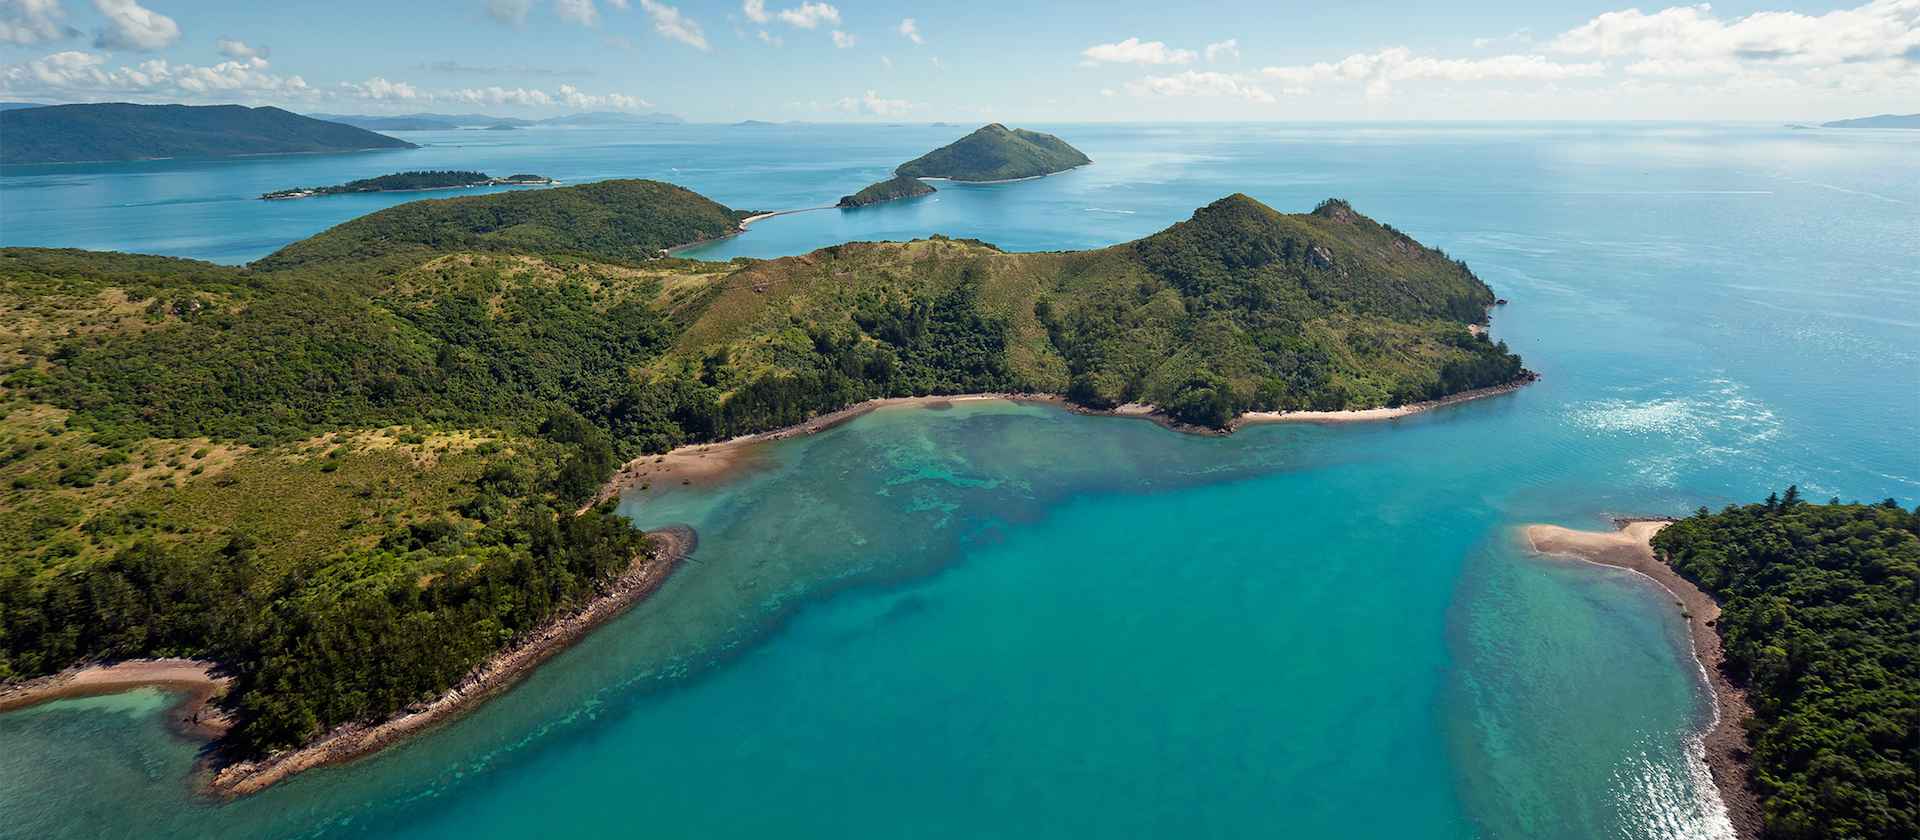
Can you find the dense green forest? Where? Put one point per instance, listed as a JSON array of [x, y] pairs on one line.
[[899, 186], [1820, 617], [996, 153], [412, 180], [389, 425], [632, 220], [119, 131]]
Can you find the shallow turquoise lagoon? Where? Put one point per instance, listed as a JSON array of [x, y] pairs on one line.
[[1007, 620]]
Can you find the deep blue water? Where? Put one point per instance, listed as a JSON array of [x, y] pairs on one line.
[[1008, 620]]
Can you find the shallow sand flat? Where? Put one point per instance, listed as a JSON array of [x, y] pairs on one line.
[[1724, 742]]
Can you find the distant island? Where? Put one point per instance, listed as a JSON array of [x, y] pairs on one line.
[[996, 153], [502, 127], [753, 124], [413, 181], [1881, 121], [119, 131], [991, 153], [899, 186], [614, 118]]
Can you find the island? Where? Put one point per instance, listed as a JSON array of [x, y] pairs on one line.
[[1880, 121], [1804, 617], [996, 153], [119, 131], [991, 153], [502, 127], [897, 187], [413, 182], [357, 486]]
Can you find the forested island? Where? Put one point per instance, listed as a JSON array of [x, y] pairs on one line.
[[119, 131], [991, 153], [413, 181], [1820, 621], [897, 187], [355, 470]]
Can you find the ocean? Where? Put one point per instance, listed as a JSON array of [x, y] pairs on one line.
[[1001, 619]]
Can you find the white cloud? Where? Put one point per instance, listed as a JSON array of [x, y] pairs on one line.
[[581, 12], [512, 12], [77, 75], [131, 26], [810, 15], [1134, 51], [843, 40], [33, 21], [670, 23], [1379, 71], [1229, 48], [872, 103], [239, 50], [886, 62], [771, 40], [756, 11], [911, 30], [1690, 38], [1192, 83]]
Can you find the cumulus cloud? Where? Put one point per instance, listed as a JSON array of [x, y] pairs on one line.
[[33, 21], [1135, 51], [768, 39], [131, 26], [1195, 83], [512, 12], [80, 76], [672, 24], [872, 103], [1690, 38], [581, 12], [756, 11], [810, 15], [239, 49], [1379, 71], [1229, 48], [843, 40], [911, 30]]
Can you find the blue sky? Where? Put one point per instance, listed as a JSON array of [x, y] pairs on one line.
[[982, 59]]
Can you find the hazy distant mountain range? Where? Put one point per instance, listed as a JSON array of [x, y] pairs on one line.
[[444, 122], [120, 131], [1881, 121]]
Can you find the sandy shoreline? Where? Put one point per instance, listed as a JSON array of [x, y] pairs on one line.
[[704, 463], [1724, 742], [200, 681], [490, 679]]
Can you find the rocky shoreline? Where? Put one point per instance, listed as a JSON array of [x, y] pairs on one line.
[[500, 672], [1724, 742]]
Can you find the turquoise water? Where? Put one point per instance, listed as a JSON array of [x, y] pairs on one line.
[[1009, 620]]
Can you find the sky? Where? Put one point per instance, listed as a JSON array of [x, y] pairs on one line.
[[1058, 61]]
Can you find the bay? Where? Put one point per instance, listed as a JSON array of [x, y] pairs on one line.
[[1006, 619]]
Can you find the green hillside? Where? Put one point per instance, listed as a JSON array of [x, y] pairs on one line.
[[628, 220], [1820, 617], [119, 131], [326, 461], [897, 187], [996, 153]]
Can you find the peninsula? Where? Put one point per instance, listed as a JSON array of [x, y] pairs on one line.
[[414, 182], [119, 131], [385, 442], [897, 187]]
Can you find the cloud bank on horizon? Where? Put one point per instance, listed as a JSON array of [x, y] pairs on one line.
[[810, 57]]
